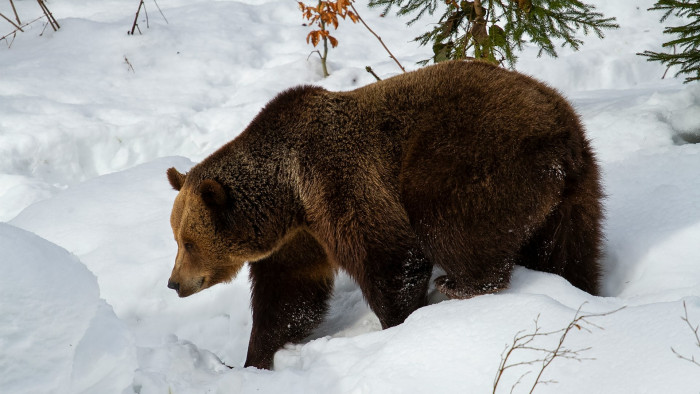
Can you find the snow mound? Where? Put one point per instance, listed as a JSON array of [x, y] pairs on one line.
[[56, 334], [456, 346], [91, 118], [97, 218]]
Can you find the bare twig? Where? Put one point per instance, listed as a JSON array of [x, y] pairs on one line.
[[695, 334], [523, 341], [145, 12], [17, 27], [316, 52], [369, 70], [19, 22], [161, 12], [690, 325], [20, 26], [44, 29], [128, 63], [9, 43], [14, 32], [520, 379], [686, 358], [52, 21], [378, 38], [136, 18]]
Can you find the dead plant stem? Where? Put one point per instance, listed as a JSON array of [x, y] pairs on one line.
[[378, 38], [17, 27], [15, 11]]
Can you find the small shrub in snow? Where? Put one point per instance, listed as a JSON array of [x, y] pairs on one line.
[[695, 330], [545, 355], [19, 25], [142, 5], [326, 13]]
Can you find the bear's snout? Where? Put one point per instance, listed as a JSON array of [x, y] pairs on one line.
[[187, 287], [173, 285]]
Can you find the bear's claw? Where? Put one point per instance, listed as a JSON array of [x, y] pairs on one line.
[[449, 288]]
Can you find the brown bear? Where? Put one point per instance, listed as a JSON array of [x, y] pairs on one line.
[[462, 165]]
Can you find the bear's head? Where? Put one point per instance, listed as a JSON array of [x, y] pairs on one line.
[[210, 250]]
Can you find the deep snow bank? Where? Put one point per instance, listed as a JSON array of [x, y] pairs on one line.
[[72, 111], [118, 225], [455, 347], [56, 334]]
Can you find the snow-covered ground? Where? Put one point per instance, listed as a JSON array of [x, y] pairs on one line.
[[90, 118]]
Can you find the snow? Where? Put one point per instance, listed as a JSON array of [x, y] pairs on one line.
[[90, 119], [57, 334]]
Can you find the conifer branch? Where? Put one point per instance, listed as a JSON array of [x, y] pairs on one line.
[[688, 38], [493, 29]]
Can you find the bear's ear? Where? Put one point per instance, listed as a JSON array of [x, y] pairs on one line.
[[176, 178], [213, 193]]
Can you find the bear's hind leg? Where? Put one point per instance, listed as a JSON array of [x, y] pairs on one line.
[[476, 259], [568, 244], [290, 293], [394, 278]]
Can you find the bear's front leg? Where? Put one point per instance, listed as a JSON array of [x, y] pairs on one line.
[[290, 292]]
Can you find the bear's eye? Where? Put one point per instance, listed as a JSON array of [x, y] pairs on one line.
[[188, 246]]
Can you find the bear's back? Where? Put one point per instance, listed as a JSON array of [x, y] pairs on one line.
[[457, 94], [469, 113]]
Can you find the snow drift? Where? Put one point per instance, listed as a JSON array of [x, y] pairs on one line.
[[85, 141], [57, 335]]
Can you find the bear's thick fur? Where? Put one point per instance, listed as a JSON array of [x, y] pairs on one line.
[[462, 165]]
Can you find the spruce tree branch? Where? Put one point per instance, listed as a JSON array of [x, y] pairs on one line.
[[473, 26], [687, 38]]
